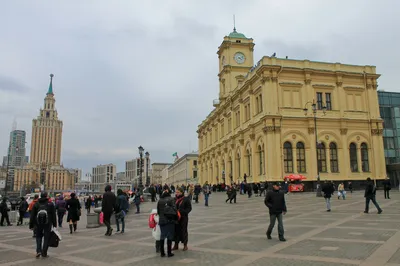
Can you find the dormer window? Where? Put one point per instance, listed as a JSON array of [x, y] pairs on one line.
[[238, 41], [47, 114]]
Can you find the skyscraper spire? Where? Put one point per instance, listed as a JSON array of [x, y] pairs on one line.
[[50, 91], [234, 24]]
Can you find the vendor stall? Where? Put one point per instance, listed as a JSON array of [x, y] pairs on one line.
[[296, 184]]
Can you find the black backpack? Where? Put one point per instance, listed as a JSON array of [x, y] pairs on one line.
[[42, 216], [170, 212]]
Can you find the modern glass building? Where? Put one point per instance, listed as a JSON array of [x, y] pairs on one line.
[[389, 105]]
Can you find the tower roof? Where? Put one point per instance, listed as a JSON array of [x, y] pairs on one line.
[[235, 34], [50, 91]]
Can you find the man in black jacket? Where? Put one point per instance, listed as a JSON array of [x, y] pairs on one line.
[[386, 187], [328, 190], [107, 207], [275, 201], [370, 193], [23, 207], [43, 216]]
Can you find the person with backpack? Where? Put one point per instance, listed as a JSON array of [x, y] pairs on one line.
[[370, 195], [61, 210], [43, 217], [154, 225], [168, 217], [120, 210], [23, 208], [73, 207]]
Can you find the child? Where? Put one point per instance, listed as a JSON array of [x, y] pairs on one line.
[[156, 230]]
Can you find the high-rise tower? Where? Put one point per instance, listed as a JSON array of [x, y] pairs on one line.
[[47, 132]]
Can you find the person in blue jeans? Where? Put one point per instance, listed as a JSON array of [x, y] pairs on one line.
[[120, 210], [206, 191], [370, 195], [43, 216]]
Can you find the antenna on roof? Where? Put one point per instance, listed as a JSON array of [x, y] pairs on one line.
[[234, 24]]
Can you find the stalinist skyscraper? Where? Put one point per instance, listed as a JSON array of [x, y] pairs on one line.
[[47, 132], [45, 169]]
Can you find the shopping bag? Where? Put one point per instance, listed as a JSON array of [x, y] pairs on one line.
[[339, 194], [55, 238], [101, 218]]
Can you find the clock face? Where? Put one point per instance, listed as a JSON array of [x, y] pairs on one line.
[[239, 58]]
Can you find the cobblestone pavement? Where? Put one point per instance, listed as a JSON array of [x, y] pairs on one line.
[[234, 234]]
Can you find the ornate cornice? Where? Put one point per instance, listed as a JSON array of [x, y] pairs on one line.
[[267, 129], [376, 132]]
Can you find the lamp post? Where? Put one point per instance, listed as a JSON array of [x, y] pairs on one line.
[[147, 154], [314, 111], [141, 150]]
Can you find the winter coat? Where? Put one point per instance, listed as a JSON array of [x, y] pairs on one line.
[[370, 190], [73, 206], [184, 206], [156, 231], [23, 206], [122, 204], [275, 201], [328, 189], [108, 202], [165, 200], [61, 205], [51, 212]]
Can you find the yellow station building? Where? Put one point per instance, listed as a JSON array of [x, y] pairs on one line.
[[268, 114]]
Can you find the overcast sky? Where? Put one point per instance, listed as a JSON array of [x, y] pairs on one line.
[[130, 73]]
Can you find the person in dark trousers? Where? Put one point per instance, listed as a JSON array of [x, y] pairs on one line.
[[370, 194], [184, 206], [351, 187], [275, 201], [152, 191], [43, 216], [233, 194], [167, 221], [197, 191], [4, 212], [328, 189], [120, 210], [387, 187], [88, 204], [30, 208], [23, 208], [61, 210], [73, 207], [107, 207]]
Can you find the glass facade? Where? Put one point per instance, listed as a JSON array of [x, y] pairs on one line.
[[389, 105]]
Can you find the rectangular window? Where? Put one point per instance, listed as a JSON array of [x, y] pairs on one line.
[[319, 100], [257, 105], [216, 134], [222, 130], [194, 174], [229, 125], [328, 101], [195, 163], [261, 103]]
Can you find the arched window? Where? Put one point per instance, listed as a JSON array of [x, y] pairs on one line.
[[288, 157], [238, 164], [321, 157], [301, 157], [261, 159], [353, 157], [248, 155], [334, 157], [364, 158]]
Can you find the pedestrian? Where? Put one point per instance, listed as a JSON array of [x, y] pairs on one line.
[[43, 218], [197, 191], [136, 200], [30, 208], [88, 203], [256, 187], [341, 191], [370, 195], [190, 192], [154, 220], [23, 208], [73, 206], [351, 187], [275, 201], [262, 188], [233, 194], [61, 209], [328, 190], [206, 192], [249, 190], [4, 212], [107, 207], [387, 187], [96, 201], [120, 210], [167, 213], [184, 206], [152, 192]]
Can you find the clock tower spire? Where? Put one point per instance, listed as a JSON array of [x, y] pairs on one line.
[[235, 60]]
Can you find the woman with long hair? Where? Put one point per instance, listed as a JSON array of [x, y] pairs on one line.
[[74, 212]]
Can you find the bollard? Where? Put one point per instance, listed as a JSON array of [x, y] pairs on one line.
[[93, 218], [12, 215]]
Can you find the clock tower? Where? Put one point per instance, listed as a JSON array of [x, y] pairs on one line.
[[235, 56]]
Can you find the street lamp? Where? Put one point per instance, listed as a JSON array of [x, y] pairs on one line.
[[141, 150], [314, 111], [147, 154]]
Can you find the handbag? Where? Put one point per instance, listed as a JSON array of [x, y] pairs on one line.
[[79, 212], [55, 238]]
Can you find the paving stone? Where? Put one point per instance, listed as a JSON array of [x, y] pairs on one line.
[[236, 243], [346, 250], [340, 233], [288, 262], [395, 258], [14, 255]]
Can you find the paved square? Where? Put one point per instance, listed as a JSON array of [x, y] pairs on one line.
[[233, 234]]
